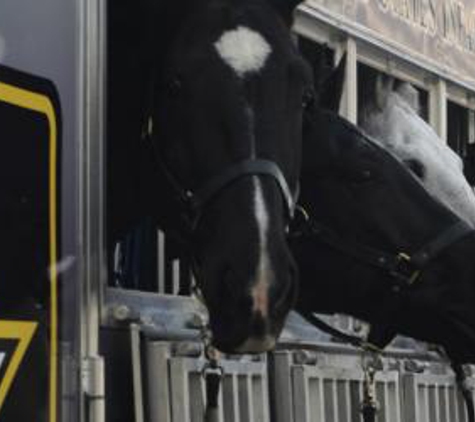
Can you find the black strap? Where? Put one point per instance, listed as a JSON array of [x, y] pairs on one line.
[[369, 407], [191, 203], [347, 338], [436, 246], [403, 267], [244, 168], [369, 412], [213, 383]]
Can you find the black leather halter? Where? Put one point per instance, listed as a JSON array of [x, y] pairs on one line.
[[404, 267], [192, 203]]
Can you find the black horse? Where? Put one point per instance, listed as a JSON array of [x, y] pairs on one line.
[[205, 112], [378, 246]]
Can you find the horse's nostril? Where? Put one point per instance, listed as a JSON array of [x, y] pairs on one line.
[[286, 292], [231, 292], [259, 325]]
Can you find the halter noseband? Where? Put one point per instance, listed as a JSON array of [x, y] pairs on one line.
[[193, 202], [403, 267]]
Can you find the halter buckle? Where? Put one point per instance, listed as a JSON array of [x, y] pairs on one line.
[[404, 271]]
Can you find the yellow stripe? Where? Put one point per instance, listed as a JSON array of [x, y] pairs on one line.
[[22, 331], [42, 104]]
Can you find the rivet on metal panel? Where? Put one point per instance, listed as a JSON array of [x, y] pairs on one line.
[[469, 370], [146, 320], [394, 364], [305, 357], [414, 366], [196, 321], [121, 313], [257, 358], [187, 349]]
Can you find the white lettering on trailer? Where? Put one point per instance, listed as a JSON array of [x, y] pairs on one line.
[[244, 50]]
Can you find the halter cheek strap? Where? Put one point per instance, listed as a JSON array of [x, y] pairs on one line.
[[403, 267], [192, 204]]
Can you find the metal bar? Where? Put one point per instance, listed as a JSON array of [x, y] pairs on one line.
[[281, 387], [176, 269], [349, 101], [180, 390], [438, 108], [92, 259], [161, 262], [137, 372], [300, 397], [158, 355]]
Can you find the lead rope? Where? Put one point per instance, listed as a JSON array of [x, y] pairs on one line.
[[461, 380], [212, 373], [466, 390], [369, 404], [369, 355]]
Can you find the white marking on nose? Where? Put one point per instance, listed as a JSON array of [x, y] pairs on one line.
[[260, 290], [244, 50]]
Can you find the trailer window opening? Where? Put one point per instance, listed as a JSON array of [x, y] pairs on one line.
[[321, 58], [366, 84], [140, 257], [457, 127]]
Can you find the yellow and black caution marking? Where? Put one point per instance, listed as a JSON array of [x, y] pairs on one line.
[[30, 130], [22, 333]]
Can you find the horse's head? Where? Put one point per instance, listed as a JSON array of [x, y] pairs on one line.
[[391, 117], [386, 251], [227, 122], [362, 191]]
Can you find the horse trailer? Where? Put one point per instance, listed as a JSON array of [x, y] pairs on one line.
[[90, 334]]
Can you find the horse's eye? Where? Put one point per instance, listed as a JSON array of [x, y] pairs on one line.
[[416, 167], [174, 87], [308, 99], [361, 178]]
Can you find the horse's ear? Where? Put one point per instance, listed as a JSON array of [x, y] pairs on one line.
[[286, 8], [384, 87], [409, 94], [332, 89]]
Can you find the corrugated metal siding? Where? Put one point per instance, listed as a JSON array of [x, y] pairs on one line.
[[432, 398], [177, 392], [293, 386], [310, 393]]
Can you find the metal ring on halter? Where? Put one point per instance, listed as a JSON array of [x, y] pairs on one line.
[[212, 368], [212, 365], [299, 209]]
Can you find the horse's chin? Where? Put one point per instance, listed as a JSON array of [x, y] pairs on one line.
[[260, 339], [252, 345], [257, 345]]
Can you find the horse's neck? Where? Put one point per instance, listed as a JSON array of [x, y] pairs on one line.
[[457, 260]]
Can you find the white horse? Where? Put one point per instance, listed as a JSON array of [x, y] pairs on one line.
[[392, 119]]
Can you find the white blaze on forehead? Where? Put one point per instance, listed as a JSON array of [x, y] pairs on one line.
[[244, 50], [260, 290]]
